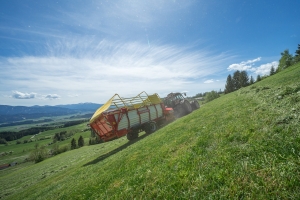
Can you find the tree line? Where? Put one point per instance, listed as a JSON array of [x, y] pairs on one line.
[[238, 80], [13, 135], [241, 79], [288, 59]]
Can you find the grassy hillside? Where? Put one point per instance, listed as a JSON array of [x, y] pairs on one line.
[[244, 145]]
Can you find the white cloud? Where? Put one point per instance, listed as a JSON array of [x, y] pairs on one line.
[[244, 65], [51, 96], [32, 95], [209, 81], [21, 95], [240, 67], [265, 68]]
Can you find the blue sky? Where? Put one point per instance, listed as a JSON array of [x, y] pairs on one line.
[[74, 51]]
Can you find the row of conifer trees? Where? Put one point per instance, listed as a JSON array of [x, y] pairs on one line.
[[240, 79]]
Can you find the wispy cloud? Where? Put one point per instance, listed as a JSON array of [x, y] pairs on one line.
[[69, 58], [97, 70], [95, 18]]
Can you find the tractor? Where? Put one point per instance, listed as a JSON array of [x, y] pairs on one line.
[[181, 105]]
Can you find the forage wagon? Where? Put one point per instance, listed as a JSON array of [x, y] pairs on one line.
[[128, 116]]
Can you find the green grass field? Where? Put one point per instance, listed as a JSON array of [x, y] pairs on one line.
[[22, 151], [243, 145]]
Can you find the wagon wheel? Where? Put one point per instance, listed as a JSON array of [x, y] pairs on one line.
[[150, 127], [132, 135]]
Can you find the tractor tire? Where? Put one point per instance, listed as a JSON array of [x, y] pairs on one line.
[[195, 105], [187, 107], [179, 111], [150, 127], [132, 135]]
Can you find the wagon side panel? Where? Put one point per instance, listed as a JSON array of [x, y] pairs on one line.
[[134, 118]]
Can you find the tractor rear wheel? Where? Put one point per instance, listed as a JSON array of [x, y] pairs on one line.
[[187, 107], [195, 105], [150, 127]]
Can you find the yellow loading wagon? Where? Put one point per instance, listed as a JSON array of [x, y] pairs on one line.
[[129, 116]]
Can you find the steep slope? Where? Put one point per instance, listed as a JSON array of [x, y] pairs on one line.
[[245, 144]]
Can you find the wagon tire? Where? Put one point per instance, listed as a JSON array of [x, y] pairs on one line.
[[150, 127], [132, 135]]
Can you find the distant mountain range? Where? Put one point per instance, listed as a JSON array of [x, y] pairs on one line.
[[18, 113]]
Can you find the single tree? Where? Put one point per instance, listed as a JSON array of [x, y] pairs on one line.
[[285, 61], [244, 79], [272, 71], [56, 137], [258, 78], [251, 80], [236, 80], [63, 135], [229, 86], [80, 142], [297, 54], [73, 144], [38, 154]]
